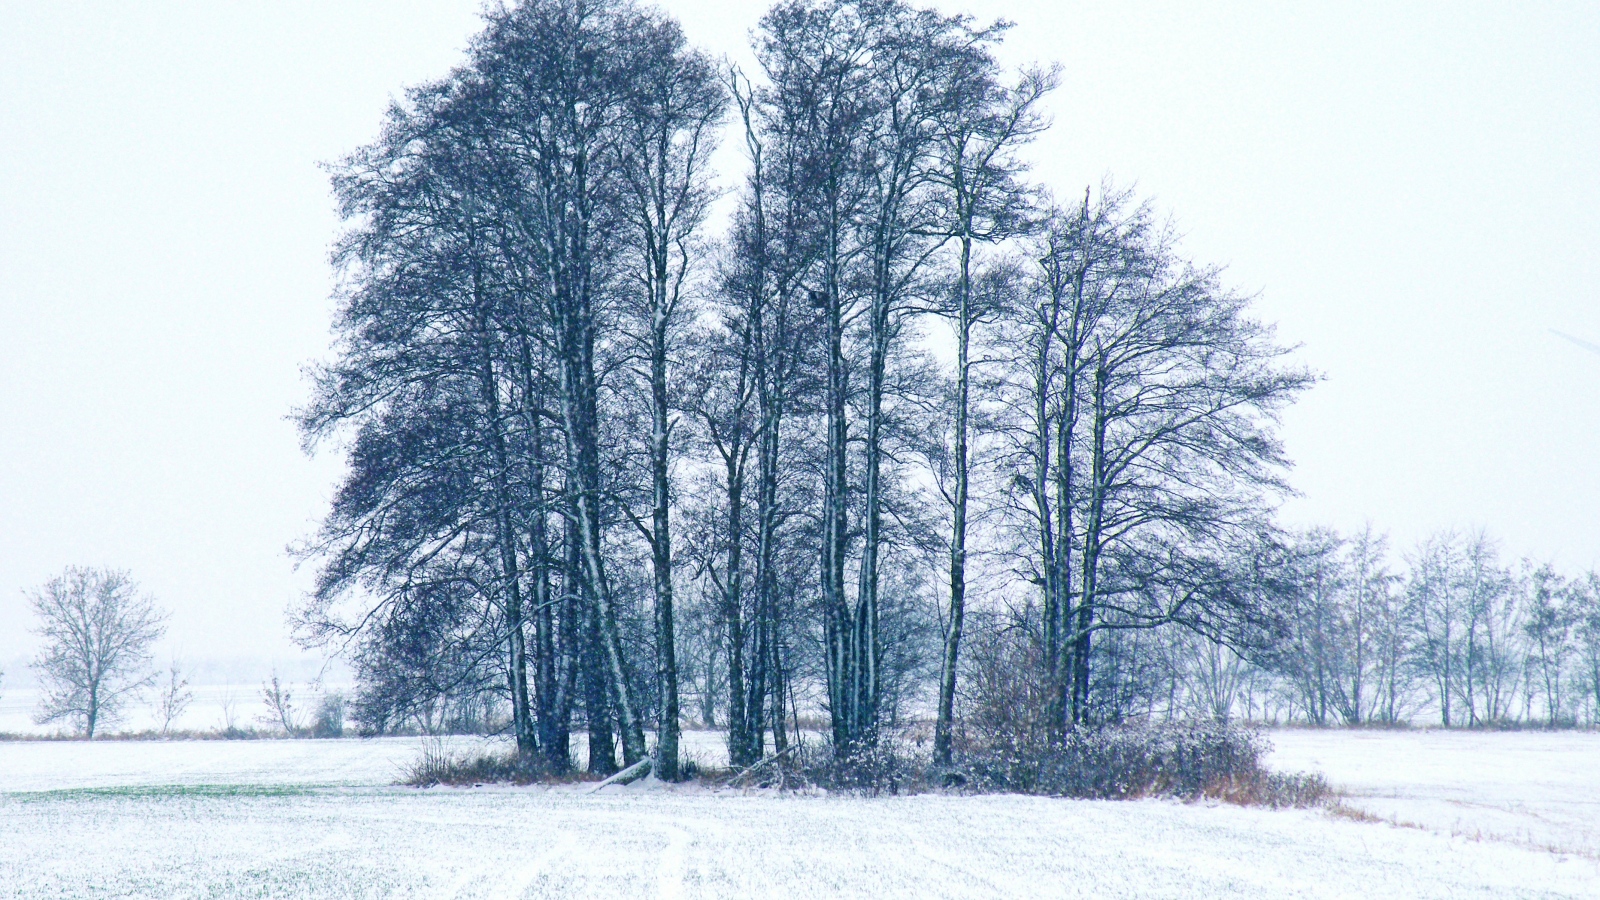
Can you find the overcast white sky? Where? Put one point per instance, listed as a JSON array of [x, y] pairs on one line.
[[1413, 192]]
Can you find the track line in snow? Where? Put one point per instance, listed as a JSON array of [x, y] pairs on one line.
[[669, 870]]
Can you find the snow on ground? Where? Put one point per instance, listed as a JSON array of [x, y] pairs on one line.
[[34, 766], [1537, 789], [321, 819]]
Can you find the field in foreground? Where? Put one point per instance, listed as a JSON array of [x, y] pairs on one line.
[[322, 819]]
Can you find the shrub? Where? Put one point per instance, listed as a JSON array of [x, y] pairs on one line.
[[329, 720], [1188, 761], [875, 769], [438, 764], [884, 768]]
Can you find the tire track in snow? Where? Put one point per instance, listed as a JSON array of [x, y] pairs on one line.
[[513, 884], [669, 870]]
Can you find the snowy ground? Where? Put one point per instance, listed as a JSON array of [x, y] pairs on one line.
[[1540, 790], [322, 819]]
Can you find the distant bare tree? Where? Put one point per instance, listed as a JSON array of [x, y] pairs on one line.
[[1548, 627], [1216, 676], [230, 711], [1437, 610], [280, 708], [1586, 599], [1493, 618], [97, 632], [174, 697]]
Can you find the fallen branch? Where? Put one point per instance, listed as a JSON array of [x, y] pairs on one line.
[[763, 761], [627, 776]]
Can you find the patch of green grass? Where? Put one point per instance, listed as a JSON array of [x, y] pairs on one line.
[[165, 792]]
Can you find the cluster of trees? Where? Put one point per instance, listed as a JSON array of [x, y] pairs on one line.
[[1456, 633], [1449, 634], [815, 446]]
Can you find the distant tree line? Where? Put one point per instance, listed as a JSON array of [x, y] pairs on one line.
[[883, 432], [1454, 635]]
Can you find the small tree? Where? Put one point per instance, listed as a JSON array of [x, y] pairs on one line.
[[280, 708], [1548, 627], [97, 632], [175, 696], [329, 719], [230, 712]]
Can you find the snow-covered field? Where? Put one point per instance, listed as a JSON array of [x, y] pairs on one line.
[[323, 819], [1536, 789]]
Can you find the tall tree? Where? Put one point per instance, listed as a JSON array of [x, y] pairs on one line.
[[1150, 402], [1548, 626], [816, 106], [668, 135], [981, 125], [422, 380], [564, 80]]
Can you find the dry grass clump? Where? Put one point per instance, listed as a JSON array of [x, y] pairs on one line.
[[439, 764]]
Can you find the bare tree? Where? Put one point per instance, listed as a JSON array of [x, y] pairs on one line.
[[980, 128], [98, 632], [669, 133], [1316, 654], [1370, 586], [1216, 677], [280, 706], [563, 78], [230, 711], [1493, 613], [1436, 611], [174, 696], [1145, 402], [1548, 626], [1585, 597]]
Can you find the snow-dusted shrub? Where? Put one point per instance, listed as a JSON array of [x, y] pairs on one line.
[[874, 769], [1184, 760], [329, 720], [886, 767], [438, 764]]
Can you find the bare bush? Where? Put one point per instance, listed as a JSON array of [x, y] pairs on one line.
[[174, 697], [1185, 761], [329, 719], [280, 707], [438, 765]]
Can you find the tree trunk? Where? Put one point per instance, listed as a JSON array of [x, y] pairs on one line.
[[958, 530], [1089, 582], [579, 411], [548, 694], [666, 766], [1049, 551], [838, 627], [733, 616], [597, 700], [505, 535]]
